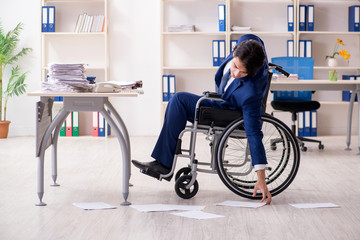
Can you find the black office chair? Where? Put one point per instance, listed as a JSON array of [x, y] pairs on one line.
[[304, 68]]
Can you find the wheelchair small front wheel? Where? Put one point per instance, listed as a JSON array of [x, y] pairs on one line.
[[182, 191], [182, 172]]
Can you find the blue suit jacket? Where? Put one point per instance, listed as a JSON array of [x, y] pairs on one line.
[[246, 94]]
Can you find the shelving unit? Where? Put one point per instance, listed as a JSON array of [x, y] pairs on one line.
[[67, 46], [189, 55]]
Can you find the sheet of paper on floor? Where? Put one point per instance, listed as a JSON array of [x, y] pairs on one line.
[[165, 207], [314, 205], [93, 205], [200, 215], [241, 204]]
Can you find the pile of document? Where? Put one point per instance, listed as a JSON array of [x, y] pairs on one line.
[[181, 28], [67, 78]]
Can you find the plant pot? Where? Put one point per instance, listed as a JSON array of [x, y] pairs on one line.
[[332, 62], [4, 128]]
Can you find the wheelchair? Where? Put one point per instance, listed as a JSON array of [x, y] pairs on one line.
[[230, 154]]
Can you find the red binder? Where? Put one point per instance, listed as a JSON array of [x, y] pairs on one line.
[[95, 124], [68, 125]]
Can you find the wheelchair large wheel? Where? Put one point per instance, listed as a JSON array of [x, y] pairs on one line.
[[234, 161]]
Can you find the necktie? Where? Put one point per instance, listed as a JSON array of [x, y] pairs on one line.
[[223, 82]]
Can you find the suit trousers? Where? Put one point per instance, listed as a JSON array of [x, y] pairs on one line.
[[180, 109]]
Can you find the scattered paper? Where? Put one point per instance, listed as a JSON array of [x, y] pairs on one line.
[[197, 215], [241, 204], [314, 205], [93, 205], [165, 207]]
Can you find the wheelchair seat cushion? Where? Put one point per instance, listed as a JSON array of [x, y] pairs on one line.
[[217, 116]]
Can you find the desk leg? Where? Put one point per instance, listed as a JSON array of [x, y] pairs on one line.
[[125, 154], [54, 156], [60, 117], [123, 130], [350, 111]]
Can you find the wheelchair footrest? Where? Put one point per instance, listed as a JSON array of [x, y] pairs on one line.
[[153, 174]]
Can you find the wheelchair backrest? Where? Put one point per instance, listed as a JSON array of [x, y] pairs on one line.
[[266, 92]]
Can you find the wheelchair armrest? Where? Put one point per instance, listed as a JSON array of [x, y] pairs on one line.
[[209, 94]]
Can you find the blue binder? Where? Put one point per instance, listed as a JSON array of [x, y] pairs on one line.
[[308, 48], [233, 44], [222, 51], [215, 53], [354, 18], [313, 123], [172, 86], [108, 125], [346, 95], [51, 18], [290, 18], [222, 20], [302, 18], [290, 48], [101, 125], [300, 124], [307, 123], [296, 65], [302, 48], [165, 88], [44, 19], [310, 17]]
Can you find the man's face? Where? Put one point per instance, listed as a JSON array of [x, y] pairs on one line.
[[237, 68]]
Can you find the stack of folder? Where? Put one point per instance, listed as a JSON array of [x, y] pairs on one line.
[[48, 19], [70, 127], [168, 87], [306, 17], [307, 124], [305, 48], [218, 52], [98, 125]]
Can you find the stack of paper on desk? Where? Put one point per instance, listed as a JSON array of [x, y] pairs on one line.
[[67, 78]]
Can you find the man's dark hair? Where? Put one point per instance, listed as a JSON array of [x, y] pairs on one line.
[[251, 53]]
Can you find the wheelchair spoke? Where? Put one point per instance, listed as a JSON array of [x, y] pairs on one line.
[[234, 160]]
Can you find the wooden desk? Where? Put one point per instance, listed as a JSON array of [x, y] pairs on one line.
[[47, 130], [325, 85]]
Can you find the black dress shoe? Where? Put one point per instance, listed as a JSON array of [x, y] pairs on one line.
[[142, 165], [153, 169]]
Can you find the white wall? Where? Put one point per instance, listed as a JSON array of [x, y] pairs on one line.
[[134, 35]]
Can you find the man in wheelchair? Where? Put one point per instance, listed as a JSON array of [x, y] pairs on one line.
[[242, 81]]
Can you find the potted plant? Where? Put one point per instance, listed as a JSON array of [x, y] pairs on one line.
[[331, 58], [15, 85]]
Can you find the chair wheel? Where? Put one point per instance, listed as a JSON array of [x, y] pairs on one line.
[[180, 187], [273, 147], [321, 146], [182, 172], [303, 149]]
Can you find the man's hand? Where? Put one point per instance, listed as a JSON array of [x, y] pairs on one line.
[[261, 185]]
